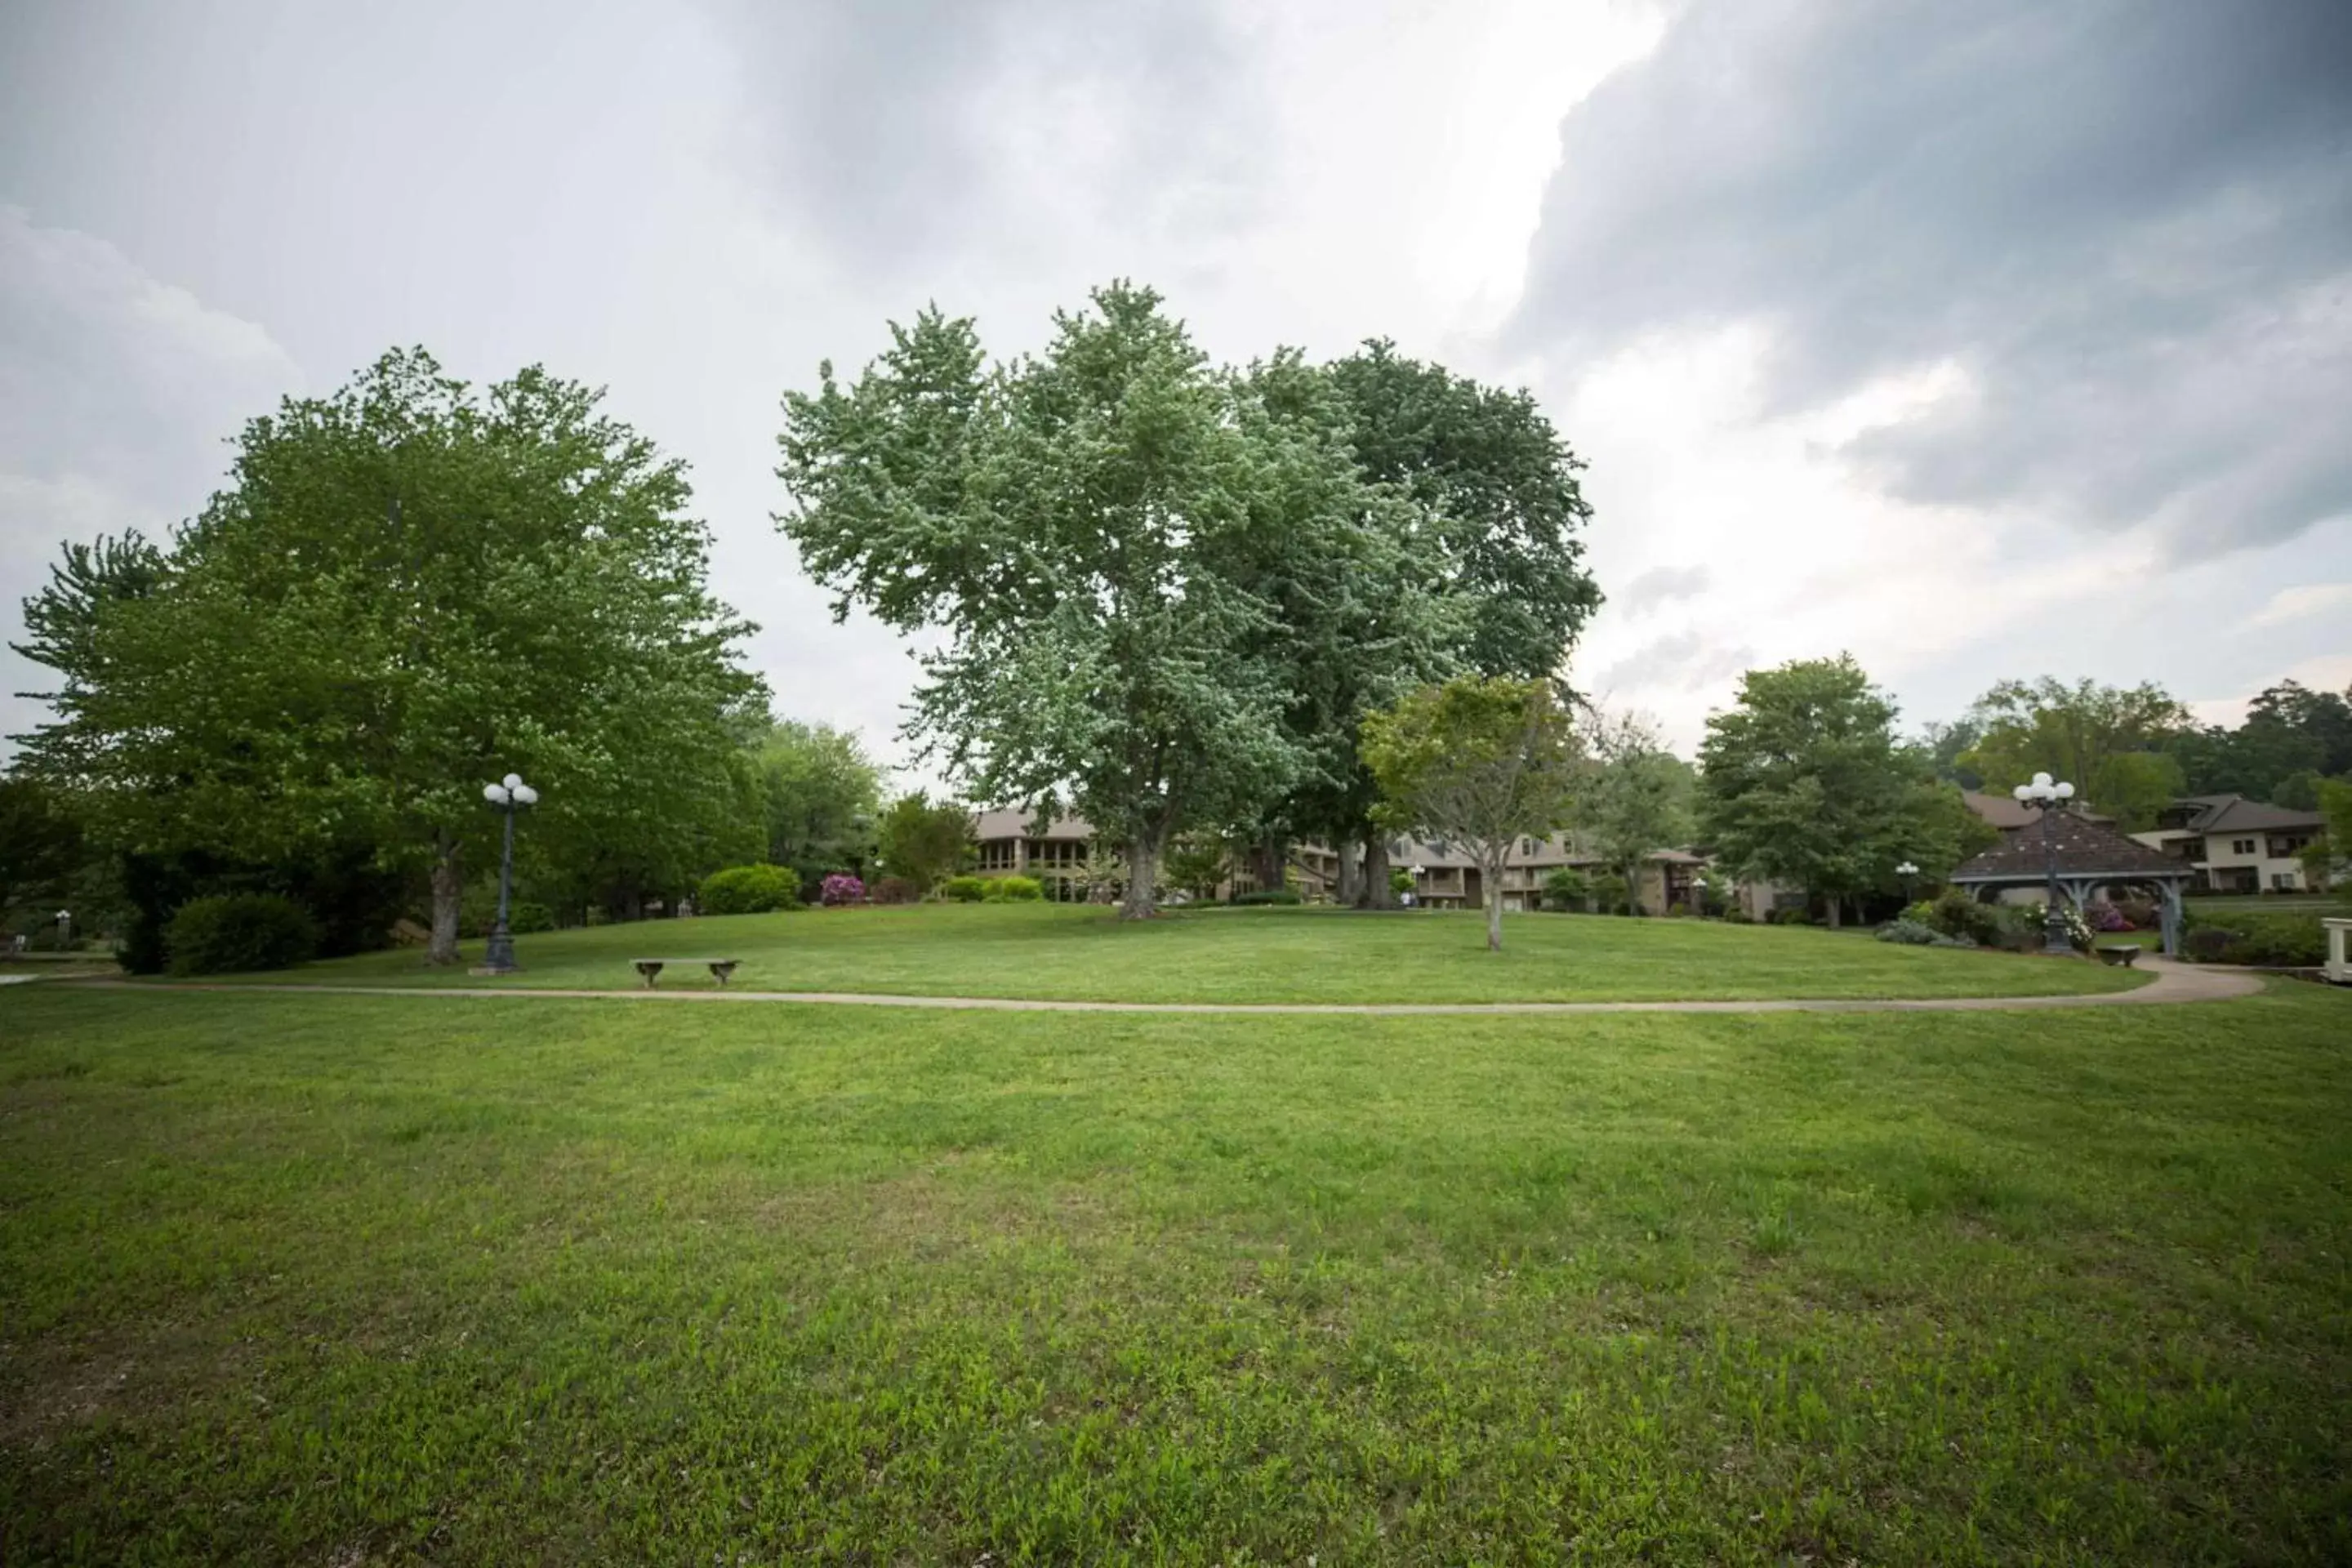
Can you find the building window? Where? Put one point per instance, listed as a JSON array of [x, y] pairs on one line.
[[2282, 881], [997, 855], [2242, 845]]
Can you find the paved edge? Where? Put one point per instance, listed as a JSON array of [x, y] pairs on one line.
[[2174, 983]]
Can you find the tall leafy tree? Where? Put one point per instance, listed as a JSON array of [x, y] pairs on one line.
[[1082, 530], [2110, 742], [1637, 797], [1482, 761], [1802, 782], [406, 589], [820, 793], [1494, 534], [923, 840]]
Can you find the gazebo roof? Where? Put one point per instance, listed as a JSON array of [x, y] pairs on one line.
[[2085, 848]]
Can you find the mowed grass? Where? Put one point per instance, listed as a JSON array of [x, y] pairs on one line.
[[332, 1279], [1079, 952]]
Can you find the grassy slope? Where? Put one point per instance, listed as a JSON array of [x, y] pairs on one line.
[[344, 1280], [1253, 955]]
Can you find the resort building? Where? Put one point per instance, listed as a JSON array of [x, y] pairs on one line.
[[2236, 845]]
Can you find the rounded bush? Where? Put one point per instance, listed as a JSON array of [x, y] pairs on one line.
[[1014, 890], [479, 911], [1919, 933], [841, 888], [749, 890], [1269, 896], [894, 890], [964, 889], [235, 933]]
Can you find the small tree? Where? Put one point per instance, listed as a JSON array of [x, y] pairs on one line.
[[1636, 799], [1197, 863], [1481, 761], [924, 841]]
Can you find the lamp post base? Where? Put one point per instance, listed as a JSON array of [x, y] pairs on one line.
[[2056, 939], [499, 959]]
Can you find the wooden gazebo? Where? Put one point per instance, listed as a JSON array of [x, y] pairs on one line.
[[2090, 856]]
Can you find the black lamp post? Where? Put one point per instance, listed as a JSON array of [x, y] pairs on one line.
[[2047, 797], [1907, 871], [509, 795]]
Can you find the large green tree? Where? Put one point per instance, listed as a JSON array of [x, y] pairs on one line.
[[1802, 782], [1635, 797], [1481, 761], [923, 840], [1494, 546], [2109, 741], [1083, 531], [820, 793], [406, 589]]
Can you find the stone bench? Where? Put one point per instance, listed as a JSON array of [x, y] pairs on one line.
[[651, 968], [2125, 954]]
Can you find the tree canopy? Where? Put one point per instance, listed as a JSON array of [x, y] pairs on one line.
[[1086, 530], [2109, 741], [819, 794], [923, 840], [1802, 782], [1635, 797], [406, 589], [1481, 761]]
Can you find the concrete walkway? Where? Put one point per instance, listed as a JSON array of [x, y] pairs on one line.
[[2173, 982]]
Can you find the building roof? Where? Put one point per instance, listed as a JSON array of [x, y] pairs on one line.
[[2085, 848], [2236, 813], [1015, 821], [2008, 814]]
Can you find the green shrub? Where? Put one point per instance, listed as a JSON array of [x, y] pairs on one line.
[[2263, 941], [1566, 889], [1919, 933], [893, 890], [233, 933], [964, 889], [1956, 913], [1609, 895], [1269, 896], [749, 890], [479, 910], [1014, 890], [1789, 917]]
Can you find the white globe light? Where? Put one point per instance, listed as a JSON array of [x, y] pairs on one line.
[[2023, 792], [514, 780], [526, 795], [495, 793], [2065, 792], [2041, 780]]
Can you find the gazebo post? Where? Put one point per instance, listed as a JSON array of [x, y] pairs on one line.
[[2170, 921]]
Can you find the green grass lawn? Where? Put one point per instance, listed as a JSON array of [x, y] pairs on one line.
[[331, 1280], [1250, 955]]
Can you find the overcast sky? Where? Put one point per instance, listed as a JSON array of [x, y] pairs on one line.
[[1983, 339]]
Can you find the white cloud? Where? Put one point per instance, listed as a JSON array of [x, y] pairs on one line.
[[2304, 600]]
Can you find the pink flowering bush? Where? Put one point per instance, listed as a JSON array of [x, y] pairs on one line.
[[841, 888]]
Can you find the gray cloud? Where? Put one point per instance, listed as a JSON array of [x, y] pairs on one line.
[[1662, 585], [901, 129], [1679, 661], [2130, 226]]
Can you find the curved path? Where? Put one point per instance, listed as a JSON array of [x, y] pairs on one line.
[[2173, 982]]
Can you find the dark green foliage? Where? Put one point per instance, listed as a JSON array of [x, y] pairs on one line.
[[1269, 896], [894, 890], [1912, 932], [2267, 940], [1011, 890], [236, 933], [923, 841], [480, 911], [749, 890], [964, 889], [1566, 889], [1957, 913]]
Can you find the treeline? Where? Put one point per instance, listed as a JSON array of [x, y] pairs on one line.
[[2133, 750]]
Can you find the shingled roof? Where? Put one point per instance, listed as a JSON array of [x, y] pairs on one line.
[[2085, 848]]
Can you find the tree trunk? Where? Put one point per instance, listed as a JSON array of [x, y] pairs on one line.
[[1494, 909], [1143, 872], [1835, 910], [1350, 892], [448, 888], [1377, 894], [1633, 875]]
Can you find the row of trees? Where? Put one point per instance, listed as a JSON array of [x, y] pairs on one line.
[[1167, 593], [405, 589], [2134, 750]]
